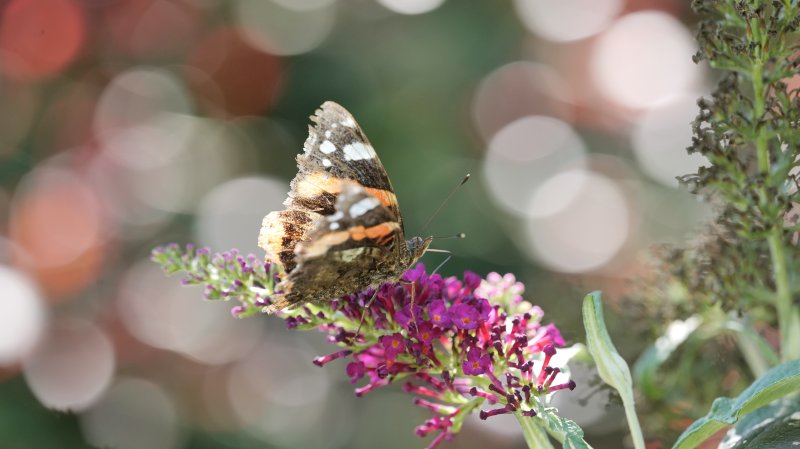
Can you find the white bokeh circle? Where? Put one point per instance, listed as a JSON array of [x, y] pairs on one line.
[[578, 229], [71, 366], [230, 215], [645, 58], [411, 7], [525, 153], [274, 27], [660, 138], [567, 20], [22, 315]]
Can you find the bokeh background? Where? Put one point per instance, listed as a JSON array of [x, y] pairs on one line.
[[126, 124]]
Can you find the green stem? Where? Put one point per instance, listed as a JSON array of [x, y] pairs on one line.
[[759, 103], [788, 321], [633, 422], [787, 312], [535, 436]]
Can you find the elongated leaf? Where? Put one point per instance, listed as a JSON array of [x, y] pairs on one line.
[[754, 425], [565, 430], [778, 382], [610, 365]]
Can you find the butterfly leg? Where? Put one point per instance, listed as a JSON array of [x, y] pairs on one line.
[[366, 309], [411, 307], [449, 256]]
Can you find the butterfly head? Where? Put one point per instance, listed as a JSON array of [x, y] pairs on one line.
[[417, 247]]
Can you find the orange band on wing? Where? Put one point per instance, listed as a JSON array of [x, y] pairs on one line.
[[382, 233], [317, 183], [377, 232], [386, 197]]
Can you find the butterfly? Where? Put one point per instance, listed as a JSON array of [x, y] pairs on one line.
[[342, 230]]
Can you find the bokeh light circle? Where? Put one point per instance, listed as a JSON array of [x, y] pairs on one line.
[[162, 313], [280, 401], [134, 414], [582, 230], [525, 153], [57, 220], [39, 38], [151, 144], [230, 215], [411, 7], [71, 366], [660, 138], [274, 28], [567, 20], [198, 154], [129, 113], [22, 315], [643, 59], [56, 216], [516, 90]]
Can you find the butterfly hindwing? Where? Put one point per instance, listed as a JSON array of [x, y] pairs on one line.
[[355, 247]]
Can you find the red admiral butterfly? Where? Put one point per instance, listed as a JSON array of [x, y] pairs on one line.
[[342, 230]]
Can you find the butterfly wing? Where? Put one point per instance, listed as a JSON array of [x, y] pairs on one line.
[[359, 245], [336, 151]]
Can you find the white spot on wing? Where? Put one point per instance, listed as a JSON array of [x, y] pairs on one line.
[[327, 147], [363, 206], [326, 162], [334, 226], [327, 133], [349, 255], [357, 151], [349, 122], [338, 215]]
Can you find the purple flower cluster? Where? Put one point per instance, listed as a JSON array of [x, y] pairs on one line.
[[225, 276], [458, 344]]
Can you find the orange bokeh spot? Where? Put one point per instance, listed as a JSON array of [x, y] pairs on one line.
[[39, 38], [231, 78], [59, 228]]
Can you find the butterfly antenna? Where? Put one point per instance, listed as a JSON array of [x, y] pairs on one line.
[[460, 235], [452, 192]]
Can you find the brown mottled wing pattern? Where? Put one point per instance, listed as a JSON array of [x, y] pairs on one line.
[[336, 153], [359, 245]]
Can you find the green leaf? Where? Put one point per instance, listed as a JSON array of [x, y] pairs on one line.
[[610, 365], [762, 424], [781, 434], [778, 382], [564, 430]]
